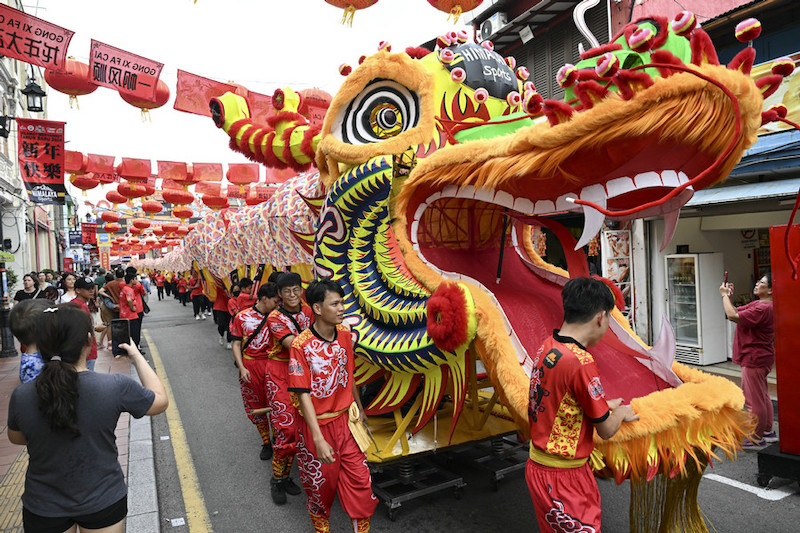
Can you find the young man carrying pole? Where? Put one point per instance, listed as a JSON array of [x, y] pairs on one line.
[[251, 345], [321, 373]]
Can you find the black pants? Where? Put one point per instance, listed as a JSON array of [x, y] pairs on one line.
[[223, 321], [160, 291], [136, 329], [183, 297], [168, 288], [206, 304], [197, 303]]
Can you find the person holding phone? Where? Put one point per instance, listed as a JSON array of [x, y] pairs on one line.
[[131, 306], [754, 351], [67, 418]]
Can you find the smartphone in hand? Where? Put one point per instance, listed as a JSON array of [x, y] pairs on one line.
[[121, 330], [725, 280]]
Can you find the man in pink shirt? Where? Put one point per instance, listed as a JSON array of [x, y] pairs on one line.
[[130, 305], [84, 291]]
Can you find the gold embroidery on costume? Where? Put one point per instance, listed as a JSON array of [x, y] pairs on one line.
[[566, 430]]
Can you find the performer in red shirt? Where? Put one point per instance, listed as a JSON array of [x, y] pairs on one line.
[[196, 286], [251, 345], [182, 290], [160, 279], [567, 403], [221, 315], [84, 291], [285, 323], [321, 373]]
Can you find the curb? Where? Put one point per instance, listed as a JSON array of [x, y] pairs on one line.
[[142, 493]]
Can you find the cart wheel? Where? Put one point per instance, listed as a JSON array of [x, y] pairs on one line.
[[763, 480], [457, 492], [392, 514]]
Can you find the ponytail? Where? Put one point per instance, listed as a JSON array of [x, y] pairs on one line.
[[64, 334]]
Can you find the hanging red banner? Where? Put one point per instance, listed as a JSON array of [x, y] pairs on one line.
[[193, 93], [41, 160], [89, 232], [33, 40], [126, 72], [212, 189], [103, 168], [239, 191], [207, 171], [105, 257], [260, 105]]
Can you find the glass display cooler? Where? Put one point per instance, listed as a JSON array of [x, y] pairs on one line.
[[694, 307]]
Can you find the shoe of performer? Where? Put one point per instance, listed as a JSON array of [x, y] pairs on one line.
[[277, 491], [222, 340], [228, 346], [202, 316], [770, 436], [754, 444], [197, 317], [291, 487], [266, 450]]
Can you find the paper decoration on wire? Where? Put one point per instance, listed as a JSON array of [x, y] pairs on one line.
[[124, 71], [33, 40]]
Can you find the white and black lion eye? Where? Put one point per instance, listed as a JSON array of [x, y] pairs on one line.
[[383, 109]]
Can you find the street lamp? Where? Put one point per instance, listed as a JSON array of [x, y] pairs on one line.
[[34, 94]]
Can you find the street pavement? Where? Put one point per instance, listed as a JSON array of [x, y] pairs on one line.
[[235, 484], [204, 473]]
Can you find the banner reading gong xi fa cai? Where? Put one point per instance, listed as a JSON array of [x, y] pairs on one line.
[[33, 40], [41, 160]]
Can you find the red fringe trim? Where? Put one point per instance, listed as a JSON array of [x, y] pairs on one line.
[[244, 142], [270, 159], [447, 316], [665, 56], [290, 161], [628, 82], [590, 92], [703, 50], [769, 84], [600, 50], [662, 24], [743, 61], [417, 52], [308, 138], [286, 116], [258, 138], [557, 111]]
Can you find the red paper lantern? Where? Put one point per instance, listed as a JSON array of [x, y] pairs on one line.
[[133, 240], [161, 98], [350, 7], [158, 231], [112, 227], [162, 242], [74, 81], [75, 162], [109, 216], [135, 231], [177, 196], [84, 182], [141, 223], [182, 231], [182, 212], [170, 227], [455, 7], [135, 190], [152, 207], [215, 202], [115, 198]]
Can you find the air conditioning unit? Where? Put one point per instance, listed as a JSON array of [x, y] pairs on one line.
[[492, 25]]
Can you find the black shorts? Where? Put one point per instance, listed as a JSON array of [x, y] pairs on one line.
[[109, 516]]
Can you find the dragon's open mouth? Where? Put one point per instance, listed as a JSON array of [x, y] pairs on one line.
[[458, 232]]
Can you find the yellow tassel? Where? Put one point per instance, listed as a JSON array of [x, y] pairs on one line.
[[455, 13], [347, 18], [146, 115], [73, 98]]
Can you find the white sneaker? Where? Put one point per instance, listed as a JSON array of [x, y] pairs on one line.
[[197, 317], [203, 316], [229, 346], [221, 341]]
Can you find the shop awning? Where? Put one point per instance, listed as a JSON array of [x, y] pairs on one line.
[[775, 152], [777, 189]]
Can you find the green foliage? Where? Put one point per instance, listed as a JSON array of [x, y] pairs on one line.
[[11, 278]]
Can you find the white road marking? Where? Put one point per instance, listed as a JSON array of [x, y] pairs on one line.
[[772, 495]]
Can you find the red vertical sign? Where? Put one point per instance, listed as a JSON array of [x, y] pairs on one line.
[[41, 160], [33, 40], [89, 232], [123, 71]]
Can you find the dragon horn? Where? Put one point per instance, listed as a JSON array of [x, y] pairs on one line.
[[286, 140]]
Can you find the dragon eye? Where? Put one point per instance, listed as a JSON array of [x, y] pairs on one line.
[[382, 110]]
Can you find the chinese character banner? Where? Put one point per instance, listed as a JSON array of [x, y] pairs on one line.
[[124, 71], [41, 160], [33, 40]]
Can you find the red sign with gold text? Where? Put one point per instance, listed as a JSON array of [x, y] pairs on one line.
[[33, 40], [126, 72], [89, 232], [41, 160]]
